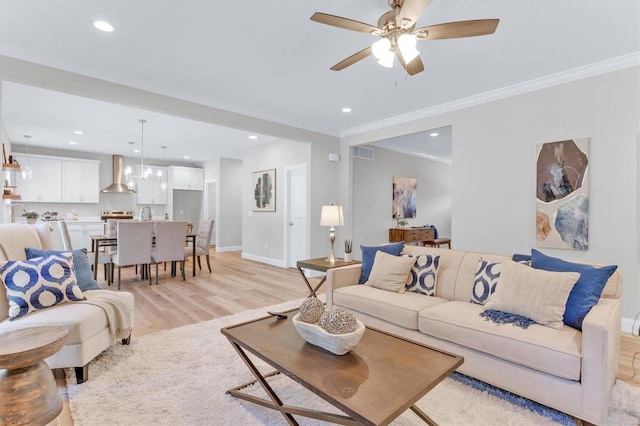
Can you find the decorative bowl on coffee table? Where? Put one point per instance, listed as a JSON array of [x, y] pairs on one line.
[[338, 344]]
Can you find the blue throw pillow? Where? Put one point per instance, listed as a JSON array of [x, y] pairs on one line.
[[81, 265], [39, 283], [369, 254], [587, 291]]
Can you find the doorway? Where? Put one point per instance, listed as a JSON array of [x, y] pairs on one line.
[[296, 214], [210, 207]]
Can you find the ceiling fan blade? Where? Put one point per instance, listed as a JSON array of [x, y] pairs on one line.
[[458, 29], [347, 24], [352, 59], [411, 11], [413, 67]]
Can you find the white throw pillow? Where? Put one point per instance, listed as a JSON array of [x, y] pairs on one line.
[[390, 272], [533, 293]]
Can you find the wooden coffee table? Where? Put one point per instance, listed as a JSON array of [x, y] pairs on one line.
[[378, 380]]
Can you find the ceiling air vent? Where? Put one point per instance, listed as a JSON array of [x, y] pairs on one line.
[[363, 152]]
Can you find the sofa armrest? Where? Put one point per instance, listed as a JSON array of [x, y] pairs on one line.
[[341, 277], [600, 347]]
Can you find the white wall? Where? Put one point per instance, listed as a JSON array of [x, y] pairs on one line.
[[372, 194], [263, 236], [230, 196], [493, 171]]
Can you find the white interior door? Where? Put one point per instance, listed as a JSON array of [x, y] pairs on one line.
[[296, 214]]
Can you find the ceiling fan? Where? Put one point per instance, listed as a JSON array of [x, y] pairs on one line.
[[399, 35]]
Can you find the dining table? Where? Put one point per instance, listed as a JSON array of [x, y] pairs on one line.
[[100, 241]]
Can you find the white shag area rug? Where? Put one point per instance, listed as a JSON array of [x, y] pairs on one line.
[[179, 377]]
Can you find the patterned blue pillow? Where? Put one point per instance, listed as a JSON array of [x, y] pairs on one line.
[[422, 277], [81, 265], [39, 283], [486, 279]]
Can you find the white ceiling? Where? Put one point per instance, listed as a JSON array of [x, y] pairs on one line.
[[266, 59]]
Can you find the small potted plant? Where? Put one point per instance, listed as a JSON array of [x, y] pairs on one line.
[[31, 216], [348, 246]]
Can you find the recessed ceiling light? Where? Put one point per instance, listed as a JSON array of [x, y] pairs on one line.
[[186, 157], [254, 137], [434, 134], [346, 109], [103, 26], [73, 143], [78, 132], [136, 150]]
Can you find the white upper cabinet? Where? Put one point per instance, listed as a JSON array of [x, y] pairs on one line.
[[151, 191], [187, 178], [80, 181], [45, 184]]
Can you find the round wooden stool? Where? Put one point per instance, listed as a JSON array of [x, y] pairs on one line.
[[28, 391]]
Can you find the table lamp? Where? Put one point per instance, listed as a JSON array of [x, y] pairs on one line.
[[331, 216]]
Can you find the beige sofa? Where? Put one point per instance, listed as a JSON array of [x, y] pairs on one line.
[[569, 370], [87, 323]]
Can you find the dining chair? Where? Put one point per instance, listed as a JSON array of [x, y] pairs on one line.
[[134, 245], [169, 246], [103, 258], [202, 242]]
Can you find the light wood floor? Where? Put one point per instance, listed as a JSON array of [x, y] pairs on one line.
[[238, 285]]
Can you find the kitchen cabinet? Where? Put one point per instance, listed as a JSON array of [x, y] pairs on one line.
[[151, 191], [187, 178], [45, 184], [80, 181], [80, 233]]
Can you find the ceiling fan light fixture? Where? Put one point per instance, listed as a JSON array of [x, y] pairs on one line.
[[407, 45], [381, 49]]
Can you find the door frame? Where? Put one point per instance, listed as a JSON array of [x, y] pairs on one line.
[[287, 213], [205, 207]]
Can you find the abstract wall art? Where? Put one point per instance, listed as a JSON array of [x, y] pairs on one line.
[[405, 197], [562, 196], [264, 191]]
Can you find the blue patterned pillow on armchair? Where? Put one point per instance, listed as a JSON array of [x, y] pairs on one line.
[[39, 283]]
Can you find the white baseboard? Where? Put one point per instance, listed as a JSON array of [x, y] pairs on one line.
[[627, 326], [268, 260], [230, 248]]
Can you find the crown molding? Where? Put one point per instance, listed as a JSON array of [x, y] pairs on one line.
[[591, 70]]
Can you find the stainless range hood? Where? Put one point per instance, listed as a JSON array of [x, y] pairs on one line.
[[117, 186]]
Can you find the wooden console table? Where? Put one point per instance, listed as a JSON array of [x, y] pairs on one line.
[[411, 235]]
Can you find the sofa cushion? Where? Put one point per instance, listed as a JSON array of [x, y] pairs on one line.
[[39, 283], [81, 320], [81, 265], [423, 275], [587, 291], [396, 308], [533, 293], [556, 352], [369, 254], [390, 272], [485, 282]]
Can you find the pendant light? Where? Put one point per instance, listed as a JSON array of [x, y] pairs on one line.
[[27, 173], [144, 174], [163, 178]]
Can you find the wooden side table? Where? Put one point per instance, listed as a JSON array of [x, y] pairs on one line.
[[319, 264], [28, 391]]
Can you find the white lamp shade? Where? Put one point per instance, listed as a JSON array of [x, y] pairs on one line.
[[381, 48], [407, 45], [331, 216]]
